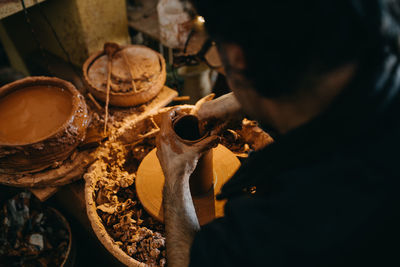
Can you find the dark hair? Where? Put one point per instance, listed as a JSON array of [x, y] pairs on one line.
[[283, 39]]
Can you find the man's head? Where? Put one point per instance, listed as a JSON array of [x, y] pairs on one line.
[[282, 48]]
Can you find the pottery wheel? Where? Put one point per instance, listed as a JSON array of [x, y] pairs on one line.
[[150, 182]]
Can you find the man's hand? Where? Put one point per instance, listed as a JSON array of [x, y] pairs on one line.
[[200, 103], [178, 161], [218, 114]]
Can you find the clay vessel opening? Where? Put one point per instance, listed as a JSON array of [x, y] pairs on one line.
[[202, 179], [33, 113], [187, 128]]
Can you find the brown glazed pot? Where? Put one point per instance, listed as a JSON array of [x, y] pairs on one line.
[[187, 131], [54, 148], [147, 89]]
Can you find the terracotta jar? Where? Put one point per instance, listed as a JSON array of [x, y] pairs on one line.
[[138, 74], [42, 121]]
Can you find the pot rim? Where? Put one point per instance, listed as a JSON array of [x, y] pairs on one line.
[[186, 141], [44, 80]]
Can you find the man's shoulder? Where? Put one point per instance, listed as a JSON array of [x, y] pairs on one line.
[[341, 208]]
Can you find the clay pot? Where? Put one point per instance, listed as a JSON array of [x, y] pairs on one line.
[[140, 64], [187, 131], [53, 147]]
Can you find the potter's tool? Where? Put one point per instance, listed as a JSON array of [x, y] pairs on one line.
[[131, 72], [110, 49], [214, 168]]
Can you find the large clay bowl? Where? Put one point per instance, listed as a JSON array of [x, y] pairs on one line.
[[153, 64], [57, 144]]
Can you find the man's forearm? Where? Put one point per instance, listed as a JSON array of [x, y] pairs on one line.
[[181, 223]]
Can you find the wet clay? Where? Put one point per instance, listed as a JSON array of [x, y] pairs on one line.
[[201, 181], [33, 113]]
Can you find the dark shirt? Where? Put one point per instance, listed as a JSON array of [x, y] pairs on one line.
[[327, 193]]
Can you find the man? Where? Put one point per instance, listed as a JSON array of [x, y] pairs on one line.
[[323, 76]]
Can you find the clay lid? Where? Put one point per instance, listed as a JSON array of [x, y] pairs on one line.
[[144, 62], [138, 74], [139, 63]]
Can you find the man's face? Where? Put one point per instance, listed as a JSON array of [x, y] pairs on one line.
[[234, 63]]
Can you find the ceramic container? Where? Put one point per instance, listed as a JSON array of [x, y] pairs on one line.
[[32, 153]]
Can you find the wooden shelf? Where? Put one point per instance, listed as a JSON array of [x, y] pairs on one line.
[[9, 7]]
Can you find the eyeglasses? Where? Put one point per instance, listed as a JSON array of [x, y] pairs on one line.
[[199, 48]]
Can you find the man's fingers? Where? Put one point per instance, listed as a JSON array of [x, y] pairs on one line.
[[201, 102], [166, 119], [205, 99]]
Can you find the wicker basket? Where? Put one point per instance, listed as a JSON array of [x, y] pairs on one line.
[[125, 137]]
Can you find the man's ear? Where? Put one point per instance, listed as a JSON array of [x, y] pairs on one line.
[[234, 56]]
